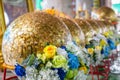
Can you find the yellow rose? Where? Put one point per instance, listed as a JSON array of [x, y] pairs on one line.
[[52, 11], [90, 50], [102, 42], [98, 47], [106, 34], [84, 69], [50, 51]]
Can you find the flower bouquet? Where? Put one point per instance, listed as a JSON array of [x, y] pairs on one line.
[[55, 63]]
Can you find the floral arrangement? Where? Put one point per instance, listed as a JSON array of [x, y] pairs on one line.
[[94, 51], [100, 46], [55, 63]]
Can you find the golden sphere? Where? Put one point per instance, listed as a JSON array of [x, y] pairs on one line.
[[76, 32], [30, 33], [101, 26], [86, 28], [106, 13], [94, 25]]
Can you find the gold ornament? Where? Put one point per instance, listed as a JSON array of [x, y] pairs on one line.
[[106, 13], [94, 25], [101, 25], [86, 28], [30, 33], [76, 32]]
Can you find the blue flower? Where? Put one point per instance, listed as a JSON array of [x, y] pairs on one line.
[[63, 47], [87, 46], [20, 70], [111, 44], [73, 61], [61, 73], [105, 50]]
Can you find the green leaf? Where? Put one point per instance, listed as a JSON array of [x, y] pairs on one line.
[[31, 60]]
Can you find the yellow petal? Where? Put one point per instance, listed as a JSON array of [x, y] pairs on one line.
[[90, 51]]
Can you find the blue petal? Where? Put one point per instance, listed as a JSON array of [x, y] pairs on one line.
[[111, 44], [73, 61], [61, 73], [63, 47], [20, 70], [105, 50]]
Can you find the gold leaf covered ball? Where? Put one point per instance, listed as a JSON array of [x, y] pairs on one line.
[[101, 26], [76, 32], [106, 13], [86, 28], [94, 25], [30, 33], [109, 25]]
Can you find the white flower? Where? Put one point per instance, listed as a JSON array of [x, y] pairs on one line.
[[62, 52], [98, 56], [81, 55], [49, 64], [100, 36], [47, 74], [84, 57], [80, 76], [72, 47], [31, 73]]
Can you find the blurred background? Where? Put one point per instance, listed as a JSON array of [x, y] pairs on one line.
[[15, 8]]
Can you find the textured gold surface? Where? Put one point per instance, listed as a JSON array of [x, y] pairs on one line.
[[106, 13], [76, 32], [108, 25], [94, 25], [30, 33], [86, 28], [102, 25]]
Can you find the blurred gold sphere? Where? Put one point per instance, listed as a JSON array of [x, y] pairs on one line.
[[86, 28], [106, 13], [30, 33], [94, 25], [76, 32]]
